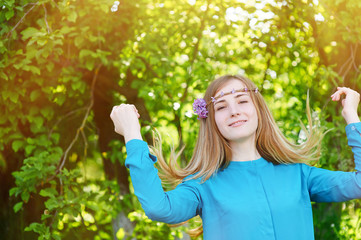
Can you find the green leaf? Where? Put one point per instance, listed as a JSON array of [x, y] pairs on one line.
[[76, 85], [29, 149], [14, 190], [47, 112], [48, 192], [19, 8], [78, 41], [50, 66], [17, 144], [104, 235], [9, 3], [66, 29], [34, 95], [30, 140], [72, 16], [31, 53], [18, 206], [19, 52], [90, 64], [45, 216], [14, 97], [51, 204], [2, 48], [55, 236], [25, 196], [60, 99], [120, 234], [29, 32], [56, 137], [4, 76], [38, 228], [39, 121], [42, 42], [5, 95], [34, 70], [17, 66], [9, 14], [85, 52], [16, 135]]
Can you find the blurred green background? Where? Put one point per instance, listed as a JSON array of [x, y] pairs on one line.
[[64, 64]]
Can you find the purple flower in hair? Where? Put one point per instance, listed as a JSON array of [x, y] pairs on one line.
[[200, 108]]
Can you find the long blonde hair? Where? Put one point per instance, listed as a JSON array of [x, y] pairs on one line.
[[212, 150]]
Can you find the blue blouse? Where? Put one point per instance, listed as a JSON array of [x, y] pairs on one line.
[[247, 200]]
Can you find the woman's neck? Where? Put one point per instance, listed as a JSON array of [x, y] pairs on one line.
[[244, 150]]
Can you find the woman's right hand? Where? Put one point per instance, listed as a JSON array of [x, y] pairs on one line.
[[349, 104], [126, 123]]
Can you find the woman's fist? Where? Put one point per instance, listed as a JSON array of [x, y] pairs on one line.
[[126, 123]]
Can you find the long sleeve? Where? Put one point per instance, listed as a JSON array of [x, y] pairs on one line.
[[337, 186], [174, 206]]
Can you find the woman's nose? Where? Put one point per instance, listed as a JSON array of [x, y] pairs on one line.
[[234, 110]]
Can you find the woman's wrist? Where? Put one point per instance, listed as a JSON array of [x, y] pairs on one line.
[[132, 135], [351, 117]]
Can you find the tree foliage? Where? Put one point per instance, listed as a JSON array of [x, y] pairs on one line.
[[65, 63]]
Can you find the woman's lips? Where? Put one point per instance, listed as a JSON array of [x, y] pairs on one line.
[[237, 123]]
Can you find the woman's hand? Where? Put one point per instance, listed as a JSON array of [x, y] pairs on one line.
[[126, 123], [349, 103]]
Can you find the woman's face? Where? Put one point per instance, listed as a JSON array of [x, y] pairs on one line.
[[235, 114]]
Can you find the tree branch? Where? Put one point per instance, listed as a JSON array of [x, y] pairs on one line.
[[353, 55], [63, 117], [85, 152], [21, 19], [83, 122], [148, 66], [45, 19], [343, 65]]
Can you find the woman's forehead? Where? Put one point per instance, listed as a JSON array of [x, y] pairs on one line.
[[230, 85]]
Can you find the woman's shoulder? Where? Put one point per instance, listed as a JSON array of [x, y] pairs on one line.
[[199, 180]]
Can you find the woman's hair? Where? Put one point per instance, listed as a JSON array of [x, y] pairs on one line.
[[213, 151]]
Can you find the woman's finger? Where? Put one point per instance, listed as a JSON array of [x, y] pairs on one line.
[[136, 111], [340, 90]]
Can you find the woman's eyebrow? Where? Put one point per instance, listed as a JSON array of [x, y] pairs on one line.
[[222, 100], [237, 96], [240, 95]]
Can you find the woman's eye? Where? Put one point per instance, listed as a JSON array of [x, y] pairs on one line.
[[243, 102], [220, 108]]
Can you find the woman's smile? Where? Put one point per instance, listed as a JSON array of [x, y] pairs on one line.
[[238, 123]]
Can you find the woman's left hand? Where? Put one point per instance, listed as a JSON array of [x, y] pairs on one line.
[[349, 103]]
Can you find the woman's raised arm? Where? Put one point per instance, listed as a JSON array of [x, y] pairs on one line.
[[174, 206], [336, 186]]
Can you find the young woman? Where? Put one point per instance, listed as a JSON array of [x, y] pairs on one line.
[[245, 179]]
